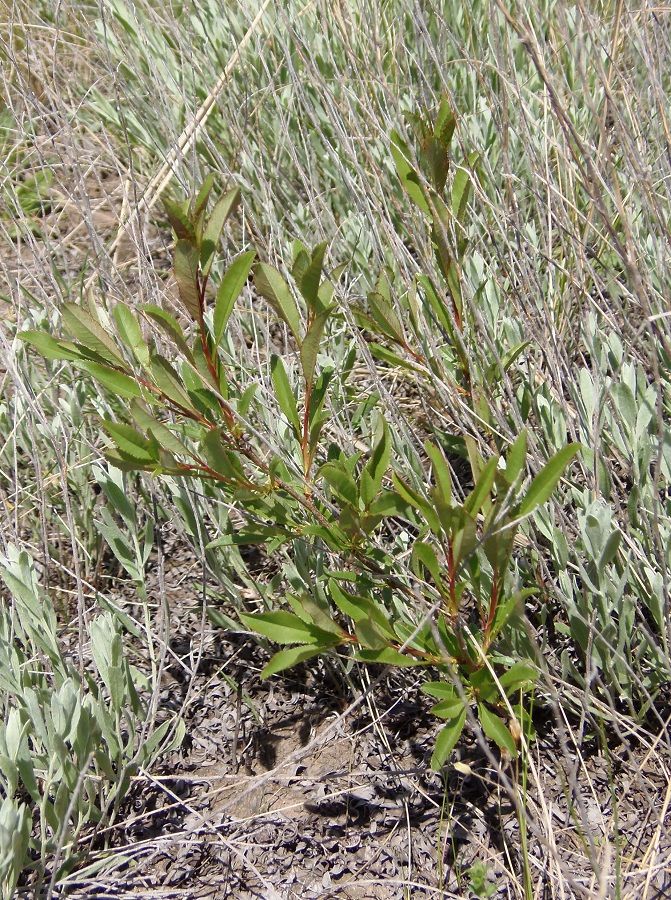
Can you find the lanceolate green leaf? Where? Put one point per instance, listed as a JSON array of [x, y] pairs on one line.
[[318, 398], [229, 290], [445, 123], [163, 435], [462, 186], [131, 333], [518, 674], [387, 656], [465, 539], [341, 482], [286, 628], [450, 271], [203, 194], [498, 546], [49, 347], [387, 356], [308, 609], [358, 608], [510, 605], [425, 554], [220, 214], [222, 460], [167, 381], [448, 708], [513, 354], [385, 317], [129, 441], [439, 145], [284, 393], [369, 635], [169, 325], [496, 730], [406, 174], [447, 740], [309, 282], [480, 493], [376, 467], [437, 161], [412, 498], [285, 659], [300, 260], [310, 345], [441, 472], [388, 503], [441, 690], [127, 463], [274, 288], [546, 481], [120, 384], [517, 456], [328, 285], [88, 332]]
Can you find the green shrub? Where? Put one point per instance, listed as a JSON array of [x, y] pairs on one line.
[[458, 608]]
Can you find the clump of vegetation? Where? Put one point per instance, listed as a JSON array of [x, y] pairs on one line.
[[459, 606], [72, 738]]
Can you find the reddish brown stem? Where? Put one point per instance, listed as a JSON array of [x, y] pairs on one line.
[[305, 441], [452, 580]]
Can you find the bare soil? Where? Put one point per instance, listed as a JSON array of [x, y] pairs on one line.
[[282, 790]]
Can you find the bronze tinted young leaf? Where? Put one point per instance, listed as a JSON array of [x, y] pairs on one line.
[[180, 220], [186, 274]]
